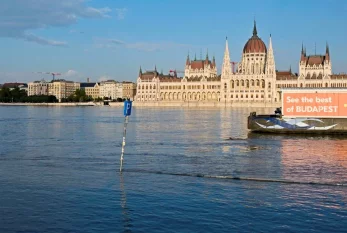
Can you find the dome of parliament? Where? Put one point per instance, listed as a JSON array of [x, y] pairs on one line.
[[254, 44]]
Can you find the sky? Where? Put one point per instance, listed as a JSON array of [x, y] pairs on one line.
[[111, 39]]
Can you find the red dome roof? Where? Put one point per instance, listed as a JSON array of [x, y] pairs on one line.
[[254, 44]]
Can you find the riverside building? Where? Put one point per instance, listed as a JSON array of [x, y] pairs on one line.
[[111, 89], [62, 88], [91, 89], [200, 83], [129, 90], [255, 78], [38, 88]]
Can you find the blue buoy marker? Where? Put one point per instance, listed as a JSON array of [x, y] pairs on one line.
[[127, 113]]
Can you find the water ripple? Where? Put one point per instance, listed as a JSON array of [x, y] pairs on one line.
[[185, 170]]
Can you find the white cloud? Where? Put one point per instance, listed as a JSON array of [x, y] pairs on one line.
[[142, 46], [19, 17], [32, 38], [104, 78], [71, 73], [121, 13]]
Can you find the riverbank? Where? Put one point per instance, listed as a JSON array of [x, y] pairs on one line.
[[53, 104], [200, 104], [180, 104]]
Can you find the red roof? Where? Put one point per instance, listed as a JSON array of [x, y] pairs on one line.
[[199, 64], [13, 85], [285, 75], [254, 45], [314, 60]]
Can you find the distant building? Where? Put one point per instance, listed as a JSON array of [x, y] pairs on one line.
[[38, 88], [255, 78], [204, 85], [315, 66], [61, 88], [151, 87], [111, 89], [91, 89], [11, 86], [129, 90], [200, 68], [315, 71]]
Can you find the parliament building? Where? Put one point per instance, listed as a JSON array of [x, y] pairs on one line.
[[255, 78]]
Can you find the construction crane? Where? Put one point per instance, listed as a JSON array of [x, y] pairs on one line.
[[51, 73], [233, 64], [175, 72]]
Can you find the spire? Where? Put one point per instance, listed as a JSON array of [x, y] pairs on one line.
[[290, 68], [161, 72], [140, 71], [303, 52], [327, 53], [270, 60], [206, 60], [187, 61], [270, 44], [200, 54], [226, 46], [226, 67], [327, 48], [195, 57], [255, 29], [155, 68]]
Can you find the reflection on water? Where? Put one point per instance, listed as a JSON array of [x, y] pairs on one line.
[[61, 165], [123, 202], [314, 159]]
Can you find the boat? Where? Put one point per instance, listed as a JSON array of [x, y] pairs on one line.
[[305, 111]]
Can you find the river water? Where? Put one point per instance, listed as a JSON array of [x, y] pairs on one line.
[[59, 172]]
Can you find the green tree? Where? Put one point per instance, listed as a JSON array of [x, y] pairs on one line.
[[5, 92]]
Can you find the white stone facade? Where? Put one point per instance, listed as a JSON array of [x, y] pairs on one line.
[[200, 68], [255, 77], [38, 88], [152, 86], [315, 71], [254, 80], [111, 89], [315, 66]]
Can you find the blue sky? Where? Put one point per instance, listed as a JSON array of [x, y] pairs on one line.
[[112, 39]]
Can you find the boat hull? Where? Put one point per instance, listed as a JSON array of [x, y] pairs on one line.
[[281, 125]]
